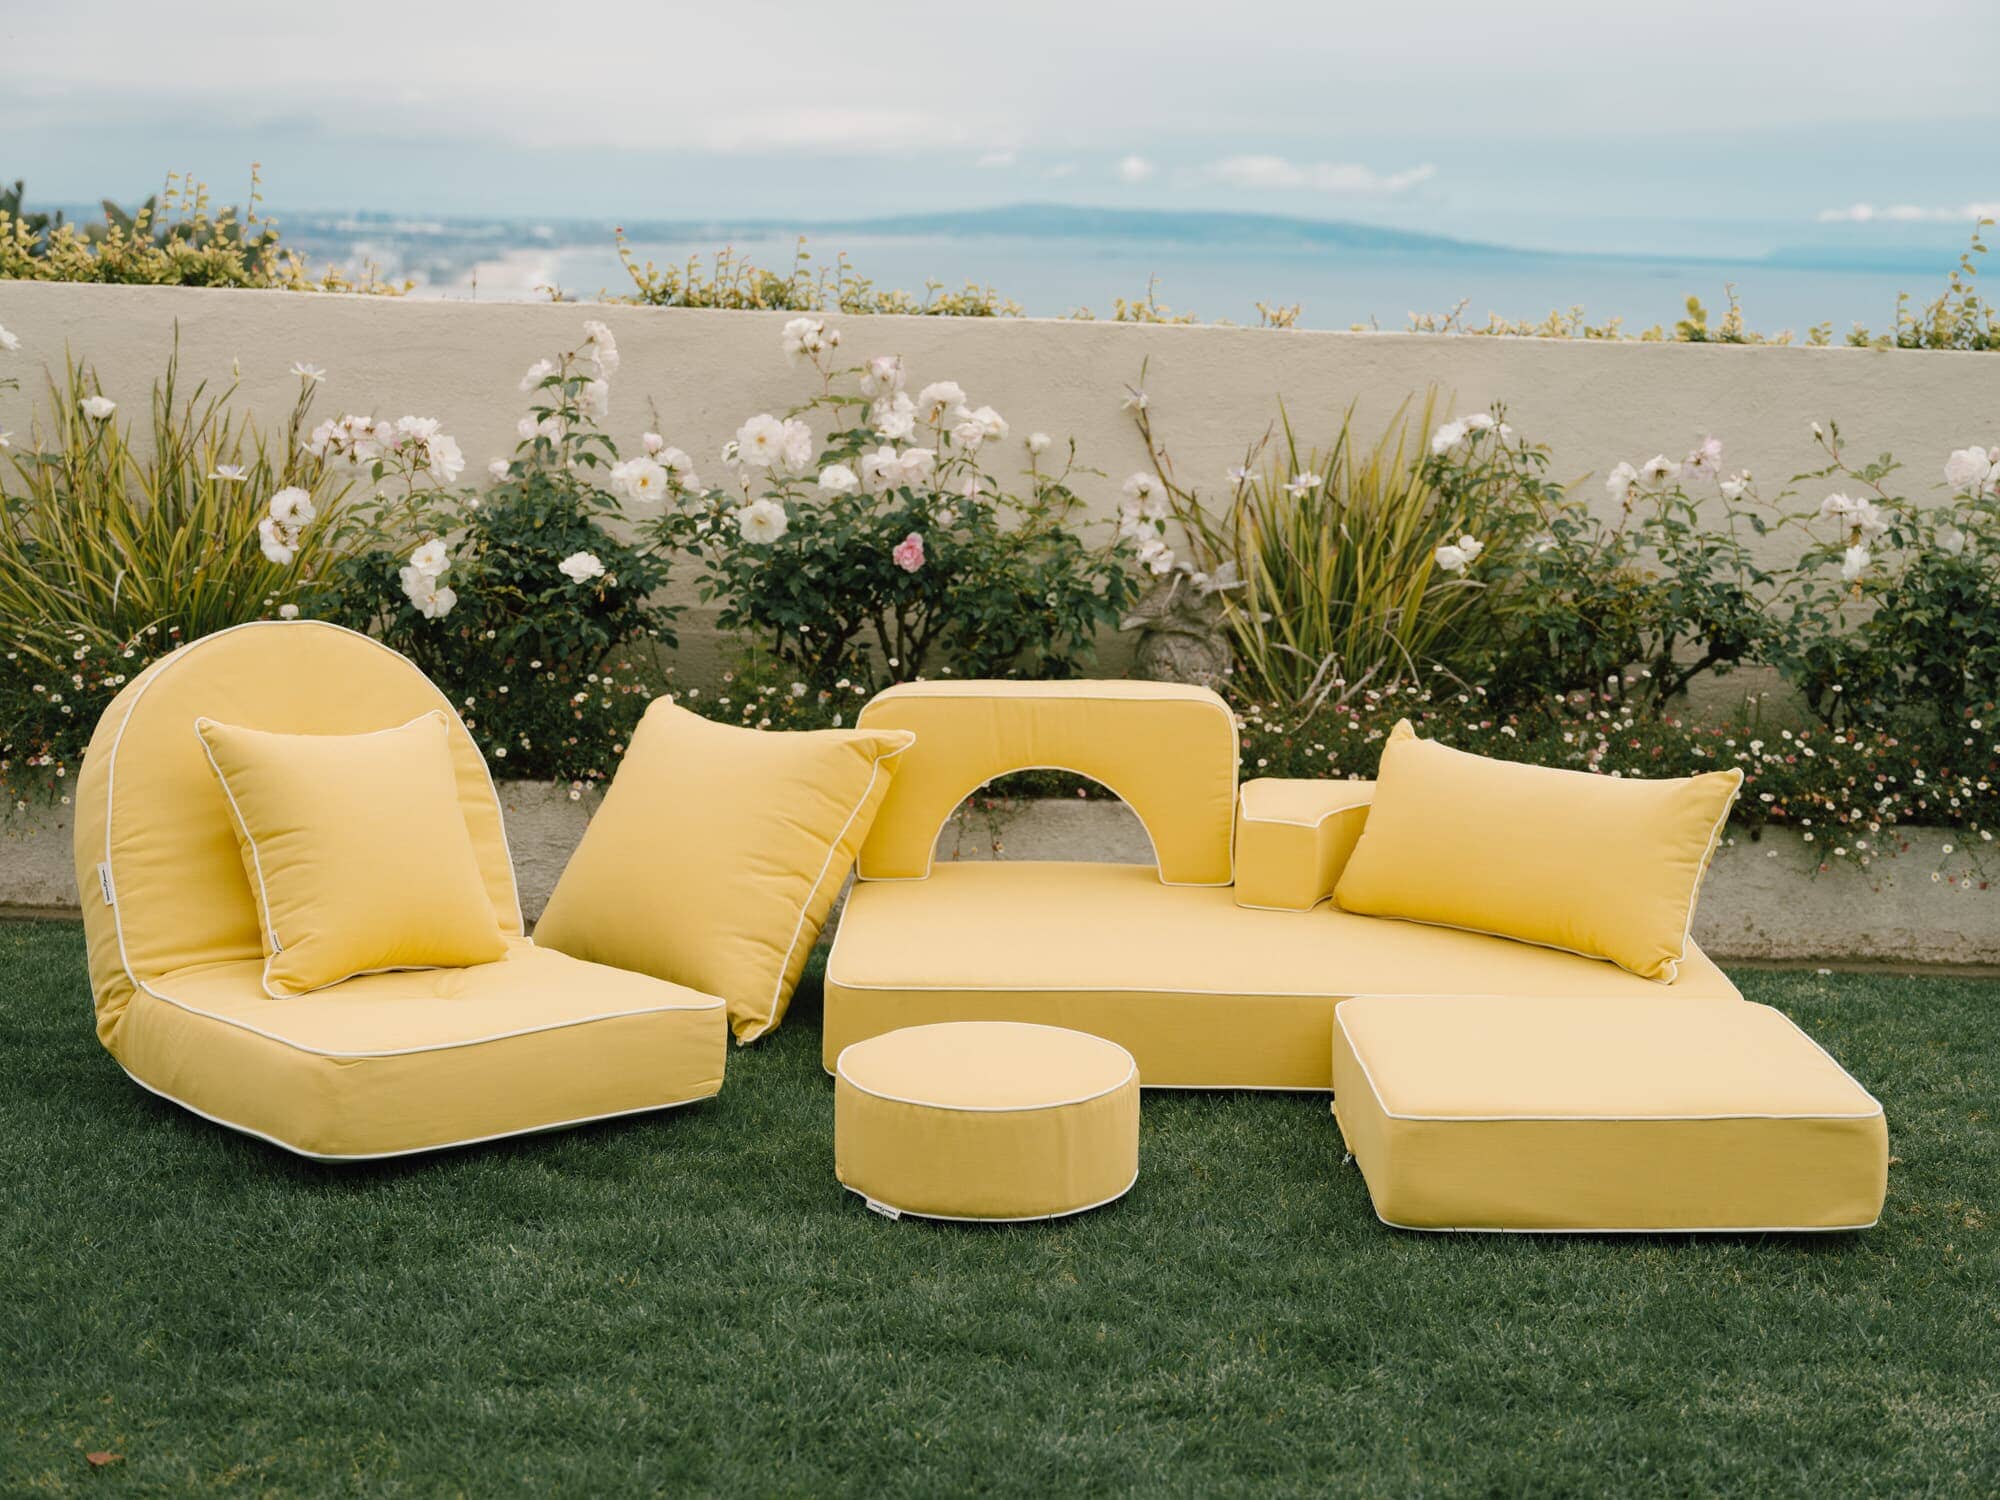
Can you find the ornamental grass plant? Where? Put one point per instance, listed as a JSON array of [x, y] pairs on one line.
[[120, 539]]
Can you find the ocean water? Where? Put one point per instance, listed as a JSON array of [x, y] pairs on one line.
[[1052, 277]]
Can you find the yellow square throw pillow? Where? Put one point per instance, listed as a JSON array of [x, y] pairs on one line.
[[1605, 866], [357, 850], [717, 854]]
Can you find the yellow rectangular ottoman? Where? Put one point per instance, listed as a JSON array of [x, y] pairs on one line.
[[1632, 1115]]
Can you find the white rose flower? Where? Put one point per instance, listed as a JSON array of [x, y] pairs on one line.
[[838, 479], [1951, 541], [431, 559], [97, 408], [1456, 557], [884, 375], [966, 429], [805, 337], [1156, 555], [1706, 459], [580, 567], [1734, 486], [499, 468], [916, 465], [894, 415], [760, 441], [1447, 437], [601, 347], [762, 522], [795, 445], [293, 507], [1038, 443], [652, 442], [1659, 469], [1969, 469], [426, 595], [444, 459], [539, 371], [1620, 480], [640, 479], [882, 468], [595, 399], [994, 424], [1853, 561], [279, 545], [939, 397]]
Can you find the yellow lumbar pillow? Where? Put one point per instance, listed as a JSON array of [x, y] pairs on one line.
[[1604, 866], [717, 854], [357, 851]]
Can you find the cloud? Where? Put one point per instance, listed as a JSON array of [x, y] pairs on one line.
[[1908, 213], [1135, 169], [1062, 169], [1003, 158], [1275, 172]]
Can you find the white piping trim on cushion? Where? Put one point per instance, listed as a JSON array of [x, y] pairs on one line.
[[158, 669], [1201, 695], [1383, 1104], [1288, 910], [475, 1041], [1243, 816], [798, 930], [1131, 1072], [1203, 1088], [477, 1140], [916, 1213], [257, 862], [1694, 887], [930, 857], [1602, 1229]]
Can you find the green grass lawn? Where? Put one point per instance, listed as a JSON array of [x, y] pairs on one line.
[[689, 1304]]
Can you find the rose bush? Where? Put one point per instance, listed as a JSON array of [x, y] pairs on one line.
[[537, 619], [887, 544]]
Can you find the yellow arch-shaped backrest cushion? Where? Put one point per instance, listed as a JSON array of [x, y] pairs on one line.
[[157, 862], [1167, 750]]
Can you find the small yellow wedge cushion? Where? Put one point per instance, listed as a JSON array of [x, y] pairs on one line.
[[717, 854], [1293, 839], [357, 851], [1605, 866]]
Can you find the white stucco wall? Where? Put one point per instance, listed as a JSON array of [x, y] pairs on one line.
[[696, 375]]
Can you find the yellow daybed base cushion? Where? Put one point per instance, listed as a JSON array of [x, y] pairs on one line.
[[1202, 992], [1293, 837], [986, 1120], [412, 1061], [1557, 1114], [1167, 750]]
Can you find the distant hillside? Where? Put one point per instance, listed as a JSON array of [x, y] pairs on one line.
[[1061, 221]]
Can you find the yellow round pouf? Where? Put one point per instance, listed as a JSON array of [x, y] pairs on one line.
[[992, 1120]]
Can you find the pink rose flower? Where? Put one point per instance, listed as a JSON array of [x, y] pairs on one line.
[[909, 552]]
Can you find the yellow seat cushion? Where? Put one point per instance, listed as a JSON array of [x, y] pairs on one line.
[[1202, 992], [986, 1120], [1293, 837], [1604, 866], [1652, 1113], [357, 851], [717, 854], [1167, 750], [414, 1060]]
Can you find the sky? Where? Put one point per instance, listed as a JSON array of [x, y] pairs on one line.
[[1554, 125]]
